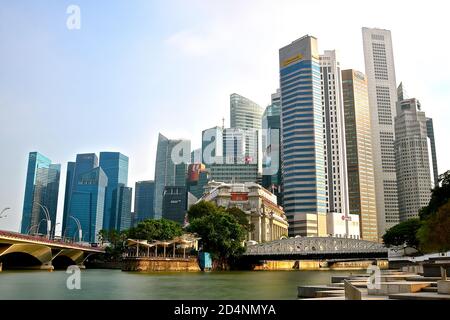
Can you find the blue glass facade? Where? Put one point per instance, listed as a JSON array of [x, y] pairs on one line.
[[87, 204], [42, 185], [302, 136], [84, 163], [115, 166], [124, 221], [144, 194]]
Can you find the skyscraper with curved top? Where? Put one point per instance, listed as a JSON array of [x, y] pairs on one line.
[[244, 113]]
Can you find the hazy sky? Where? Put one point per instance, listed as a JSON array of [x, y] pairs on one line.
[[136, 68]]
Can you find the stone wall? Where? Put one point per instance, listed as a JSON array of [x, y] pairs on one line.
[[150, 265]]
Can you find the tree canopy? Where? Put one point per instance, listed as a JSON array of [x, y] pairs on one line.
[[440, 195], [403, 233], [151, 229], [430, 233], [434, 235], [221, 235], [201, 209]]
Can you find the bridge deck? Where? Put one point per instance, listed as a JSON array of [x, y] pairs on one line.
[[14, 237]]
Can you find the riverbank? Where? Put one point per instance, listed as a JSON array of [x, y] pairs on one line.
[[401, 284]]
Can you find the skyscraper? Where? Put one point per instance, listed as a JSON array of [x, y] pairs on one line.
[[84, 163], [197, 179], [244, 113], [41, 189], [212, 146], [144, 193], [303, 172], [271, 125], [380, 72], [169, 154], [430, 134], [334, 134], [411, 158], [360, 171], [175, 203], [124, 219], [115, 166], [87, 205]]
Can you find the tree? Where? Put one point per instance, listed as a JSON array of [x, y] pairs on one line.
[[201, 209], [151, 229], [440, 195], [242, 218], [221, 235], [404, 233], [434, 235], [117, 243]]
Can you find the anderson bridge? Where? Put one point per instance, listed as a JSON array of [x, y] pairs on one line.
[[316, 248], [19, 251]]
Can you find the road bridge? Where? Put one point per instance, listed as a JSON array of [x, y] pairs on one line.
[[316, 248], [19, 251]]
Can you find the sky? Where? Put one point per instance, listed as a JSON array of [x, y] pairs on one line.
[[139, 67]]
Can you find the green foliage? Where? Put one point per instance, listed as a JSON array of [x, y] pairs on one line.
[[117, 242], [404, 233], [432, 232], [151, 229], [201, 209], [440, 195], [434, 235], [242, 218], [222, 235]]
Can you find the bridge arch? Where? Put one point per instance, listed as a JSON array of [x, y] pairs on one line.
[[26, 256]]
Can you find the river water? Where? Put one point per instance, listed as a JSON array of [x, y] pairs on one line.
[[116, 284]]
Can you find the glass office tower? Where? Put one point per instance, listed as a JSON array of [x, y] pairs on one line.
[[41, 188], [360, 166], [244, 113], [115, 166], [171, 158], [87, 205], [144, 193], [302, 138], [84, 162]]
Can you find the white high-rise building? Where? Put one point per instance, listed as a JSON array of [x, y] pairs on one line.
[[334, 135], [380, 72], [411, 155]]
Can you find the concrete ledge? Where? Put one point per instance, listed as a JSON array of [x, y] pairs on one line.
[[443, 286], [352, 292], [311, 291], [388, 288], [420, 296]]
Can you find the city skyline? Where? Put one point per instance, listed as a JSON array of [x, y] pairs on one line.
[[144, 162]]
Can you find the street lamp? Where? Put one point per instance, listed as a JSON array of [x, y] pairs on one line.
[[47, 214], [80, 231], [3, 211], [35, 226]]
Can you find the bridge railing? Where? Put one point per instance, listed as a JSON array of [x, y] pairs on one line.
[[19, 236]]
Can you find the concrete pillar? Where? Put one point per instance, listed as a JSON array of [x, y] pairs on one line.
[[137, 250]]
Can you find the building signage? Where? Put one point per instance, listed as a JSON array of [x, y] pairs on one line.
[[235, 196], [293, 59]]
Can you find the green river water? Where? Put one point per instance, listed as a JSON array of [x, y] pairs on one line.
[[115, 284]]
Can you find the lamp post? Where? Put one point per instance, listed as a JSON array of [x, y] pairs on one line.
[[49, 221], [80, 231], [3, 211]]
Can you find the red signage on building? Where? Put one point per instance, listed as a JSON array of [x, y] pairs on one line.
[[239, 196]]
